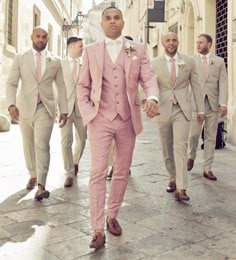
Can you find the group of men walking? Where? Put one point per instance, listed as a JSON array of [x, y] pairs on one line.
[[103, 93]]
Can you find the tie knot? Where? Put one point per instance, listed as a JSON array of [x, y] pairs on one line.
[[38, 53], [172, 59], [74, 61], [204, 57]]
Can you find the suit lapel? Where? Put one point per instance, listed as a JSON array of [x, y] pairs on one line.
[[99, 52], [31, 62], [165, 69], [127, 60], [211, 65]]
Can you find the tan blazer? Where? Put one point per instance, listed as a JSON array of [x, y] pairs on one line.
[[187, 74], [70, 88], [23, 68], [215, 85]]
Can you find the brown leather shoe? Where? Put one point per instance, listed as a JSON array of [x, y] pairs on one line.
[[114, 227], [41, 194], [171, 186], [31, 183], [209, 175], [190, 164], [76, 169], [98, 241], [68, 182], [109, 175], [181, 195]]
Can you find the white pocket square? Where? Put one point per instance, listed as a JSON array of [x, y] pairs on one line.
[[134, 58]]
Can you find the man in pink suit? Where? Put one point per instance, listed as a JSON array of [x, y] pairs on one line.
[[110, 108]]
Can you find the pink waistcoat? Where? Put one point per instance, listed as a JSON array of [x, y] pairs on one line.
[[114, 99]]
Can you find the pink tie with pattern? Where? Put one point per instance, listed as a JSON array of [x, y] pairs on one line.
[[173, 77], [38, 71]]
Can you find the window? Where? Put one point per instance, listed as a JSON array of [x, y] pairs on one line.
[[50, 32], [36, 16], [12, 22], [59, 45], [174, 28]]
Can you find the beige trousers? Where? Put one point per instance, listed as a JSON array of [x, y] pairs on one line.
[[70, 158], [210, 131], [174, 139], [36, 134]]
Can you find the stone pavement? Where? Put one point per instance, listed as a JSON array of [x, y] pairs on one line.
[[155, 225]]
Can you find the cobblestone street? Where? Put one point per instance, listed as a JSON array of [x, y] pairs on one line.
[[155, 225]]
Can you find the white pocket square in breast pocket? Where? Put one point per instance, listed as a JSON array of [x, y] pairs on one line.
[[134, 58]]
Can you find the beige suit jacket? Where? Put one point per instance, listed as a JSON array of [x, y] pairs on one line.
[[70, 88], [187, 77], [215, 85], [23, 68]]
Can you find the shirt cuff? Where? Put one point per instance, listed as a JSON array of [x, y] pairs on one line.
[[223, 105], [153, 97], [200, 113]]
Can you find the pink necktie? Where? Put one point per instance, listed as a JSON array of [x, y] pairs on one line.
[[38, 72], [173, 77], [205, 65], [74, 71], [38, 66]]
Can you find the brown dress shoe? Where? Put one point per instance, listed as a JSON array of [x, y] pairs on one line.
[[114, 227], [68, 182], [98, 241], [31, 183], [41, 194], [209, 175], [190, 164], [181, 195], [76, 169], [171, 186], [109, 175]]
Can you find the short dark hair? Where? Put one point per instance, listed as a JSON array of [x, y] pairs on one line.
[[207, 36], [111, 7], [129, 37], [73, 39]]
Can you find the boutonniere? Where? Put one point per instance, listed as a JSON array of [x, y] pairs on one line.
[[129, 48], [181, 64], [211, 61], [48, 59]]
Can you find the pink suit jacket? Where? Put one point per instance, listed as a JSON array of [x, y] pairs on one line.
[[137, 70]]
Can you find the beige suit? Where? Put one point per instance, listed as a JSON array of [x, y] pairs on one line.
[[215, 89], [74, 118], [173, 121], [36, 121]]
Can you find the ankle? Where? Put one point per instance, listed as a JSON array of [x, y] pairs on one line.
[[99, 232]]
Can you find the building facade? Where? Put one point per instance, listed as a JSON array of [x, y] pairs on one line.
[[189, 18], [17, 20]]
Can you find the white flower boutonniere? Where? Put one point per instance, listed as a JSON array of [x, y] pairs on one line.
[[181, 64], [129, 48], [211, 61], [48, 59]]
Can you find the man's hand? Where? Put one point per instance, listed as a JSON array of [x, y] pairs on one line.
[[200, 118], [151, 108], [222, 111], [62, 120], [14, 113]]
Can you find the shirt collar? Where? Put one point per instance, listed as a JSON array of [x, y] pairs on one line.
[[43, 52], [176, 57], [207, 55], [71, 59], [109, 40]]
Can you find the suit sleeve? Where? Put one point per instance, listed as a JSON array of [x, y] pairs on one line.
[[61, 91], [84, 87], [148, 79], [12, 82], [223, 85], [197, 89]]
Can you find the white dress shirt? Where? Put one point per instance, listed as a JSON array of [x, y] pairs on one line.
[[114, 47], [43, 59], [168, 62], [71, 62]]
